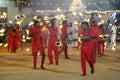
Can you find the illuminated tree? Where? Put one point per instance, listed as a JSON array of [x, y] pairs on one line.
[[77, 5]]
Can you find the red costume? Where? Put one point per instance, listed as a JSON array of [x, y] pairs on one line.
[[52, 44], [86, 51], [101, 43], [37, 45], [94, 29], [64, 37], [14, 41]]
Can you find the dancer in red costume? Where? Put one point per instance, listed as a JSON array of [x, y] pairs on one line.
[[37, 44], [53, 38], [64, 36], [94, 28], [87, 47], [13, 40]]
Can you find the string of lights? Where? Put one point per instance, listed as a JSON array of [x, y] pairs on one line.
[[30, 3]]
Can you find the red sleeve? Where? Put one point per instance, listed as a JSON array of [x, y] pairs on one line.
[[31, 31]]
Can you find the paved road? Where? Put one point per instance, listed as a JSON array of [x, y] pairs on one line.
[[19, 67]]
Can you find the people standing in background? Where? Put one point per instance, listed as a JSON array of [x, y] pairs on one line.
[[114, 15], [64, 36], [107, 27], [113, 35], [100, 46]]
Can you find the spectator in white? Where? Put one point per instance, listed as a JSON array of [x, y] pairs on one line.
[[114, 15], [107, 28], [69, 32], [113, 35]]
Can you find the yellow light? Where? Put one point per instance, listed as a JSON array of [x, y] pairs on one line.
[[41, 23], [28, 38], [24, 40], [4, 13], [27, 49], [46, 17], [25, 2], [74, 13], [6, 45], [1, 44], [62, 15], [17, 16], [31, 23], [81, 14], [19, 22], [44, 28], [10, 21], [58, 9], [35, 17], [27, 31], [113, 48], [76, 22], [1, 34], [58, 17], [2, 16], [2, 30], [79, 40], [99, 16], [23, 36], [61, 26], [102, 21], [19, 2]]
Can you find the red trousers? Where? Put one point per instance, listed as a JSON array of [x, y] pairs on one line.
[[86, 55], [95, 41], [52, 46], [100, 46], [13, 45], [64, 49], [35, 50]]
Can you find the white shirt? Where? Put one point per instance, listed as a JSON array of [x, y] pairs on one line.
[[114, 29], [114, 15]]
